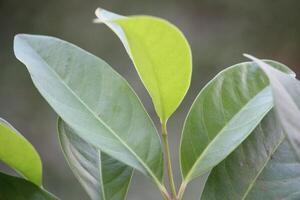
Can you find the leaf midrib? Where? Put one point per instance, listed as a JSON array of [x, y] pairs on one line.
[[93, 114], [248, 190], [188, 176], [100, 174]]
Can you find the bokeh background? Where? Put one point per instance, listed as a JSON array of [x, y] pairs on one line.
[[219, 32]]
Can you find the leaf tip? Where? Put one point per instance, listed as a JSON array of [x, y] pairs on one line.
[[259, 62], [105, 16], [98, 15], [248, 56], [17, 37], [97, 11]]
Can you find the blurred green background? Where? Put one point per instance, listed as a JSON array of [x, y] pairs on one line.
[[219, 32]]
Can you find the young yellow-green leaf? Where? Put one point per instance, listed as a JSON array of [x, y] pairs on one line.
[[264, 166], [13, 188], [19, 154], [103, 177], [160, 53], [94, 100], [225, 112]]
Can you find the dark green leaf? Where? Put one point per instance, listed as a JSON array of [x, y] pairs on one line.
[[13, 188]]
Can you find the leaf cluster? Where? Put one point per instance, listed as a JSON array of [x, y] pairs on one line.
[[242, 130]]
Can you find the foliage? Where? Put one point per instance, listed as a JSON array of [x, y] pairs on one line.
[[242, 128], [20, 155]]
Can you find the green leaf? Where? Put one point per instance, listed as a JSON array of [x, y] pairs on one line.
[[286, 92], [13, 188], [93, 100], [225, 112], [19, 154], [263, 167], [103, 177], [160, 53]]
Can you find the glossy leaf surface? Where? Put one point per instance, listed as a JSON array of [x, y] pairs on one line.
[[19, 154], [225, 112], [13, 188], [93, 100], [103, 177], [160, 53]]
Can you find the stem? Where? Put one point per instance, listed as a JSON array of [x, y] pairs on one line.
[[181, 191], [165, 193], [168, 157]]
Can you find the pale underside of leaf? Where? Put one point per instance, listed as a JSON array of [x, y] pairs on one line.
[[286, 92], [103, 177], [79, 85], [264, 166], [160, 53], [19, 154], [225, 112]]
